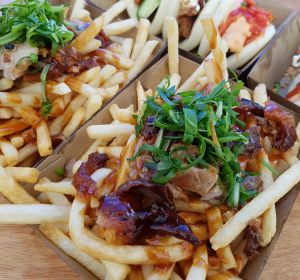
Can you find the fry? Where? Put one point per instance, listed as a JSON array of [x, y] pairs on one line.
[[58, 199], [80, 87], [269, 217], [127, 47], [156, 272], [63, 187], [142, 59], [68, 246], [114, 11], [13, 191], [105, 131], [98, 248], [173, 38], [175, 80], [91, 46], [116, 270], [164, 10], [260, 95], [141, 97], [61, 121], [214, 221], [6, 84], [14, 99], [115, 48], [59, 89], [196, 206], [141, 37], [256, 207], [6, 113], [245, 94], [26, 152], [122, 115], [117, 79], [115, 59], [23, 174], [99, 175], [198, 269], [106, 72], [17, 140], [216, 46], [124, 169], [212, 72], [9, 151], [88, 34], [78, 11], [93, 104], [89, 75], [44, 143], [112, 152], [33, 214], [74, 122], [120, 27]]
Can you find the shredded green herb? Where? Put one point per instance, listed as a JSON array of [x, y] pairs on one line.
[[35, 21], [276, 87], [270, 167], [46, 104], [59, 171], [206, 122]]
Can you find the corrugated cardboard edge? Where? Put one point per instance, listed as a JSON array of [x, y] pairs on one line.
[[80, 143]]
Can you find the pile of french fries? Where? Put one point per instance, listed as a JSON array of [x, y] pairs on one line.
[[75, 99], [60, 210]]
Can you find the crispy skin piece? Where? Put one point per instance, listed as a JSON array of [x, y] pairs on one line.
[[252, 148], [253, 234], [280, 126], [139, 209], [82, 180], [250, 106]]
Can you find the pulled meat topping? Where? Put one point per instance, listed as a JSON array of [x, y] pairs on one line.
[[139, 209], [82, 180], [253, 235], [248, 106], [276, 123], [252, 148], [280, 127]]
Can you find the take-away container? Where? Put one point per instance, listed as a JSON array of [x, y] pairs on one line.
[[80, 142], [282, 15], [272, 65], [96, 12]]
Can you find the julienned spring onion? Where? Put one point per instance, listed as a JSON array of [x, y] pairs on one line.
[[205, 121], [46, 104], [35, 21]]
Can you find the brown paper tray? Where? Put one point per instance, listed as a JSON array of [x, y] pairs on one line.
[[80, 142], [270, 68], [282, 16]]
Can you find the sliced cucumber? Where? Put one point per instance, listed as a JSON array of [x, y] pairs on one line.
[[147, 8]]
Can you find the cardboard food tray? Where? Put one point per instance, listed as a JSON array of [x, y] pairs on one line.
[[271, 67], [282, 15], [80, 142], [95, 12]]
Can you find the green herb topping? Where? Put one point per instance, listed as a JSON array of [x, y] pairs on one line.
[[59, 171], [35, 21], [46, 104], [207, 122]]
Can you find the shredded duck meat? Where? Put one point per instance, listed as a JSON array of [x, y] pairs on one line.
[[82, 180], [139, 209]]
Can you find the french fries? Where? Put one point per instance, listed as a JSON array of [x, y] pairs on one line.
[[74, 97], [173, 38]]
